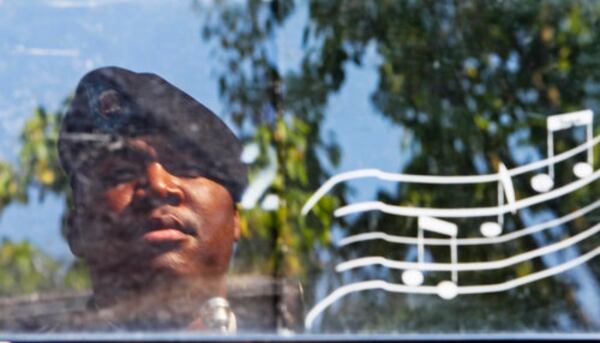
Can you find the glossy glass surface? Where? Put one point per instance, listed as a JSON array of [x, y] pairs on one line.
[[318, 88]]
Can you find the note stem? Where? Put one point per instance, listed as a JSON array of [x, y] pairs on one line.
[[590, 152], [551, 153], [500, 203], [454, 258], [420, 246]]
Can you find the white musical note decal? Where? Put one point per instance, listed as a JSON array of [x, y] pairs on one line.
[[377, 235], [505, 188], [492, 231], [414, 277], [472, 289], [545, 182]]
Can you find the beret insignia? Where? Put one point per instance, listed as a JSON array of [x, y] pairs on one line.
[[109, 104]]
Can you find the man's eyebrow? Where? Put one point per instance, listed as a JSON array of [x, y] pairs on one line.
[[125, 152], [128, 149]]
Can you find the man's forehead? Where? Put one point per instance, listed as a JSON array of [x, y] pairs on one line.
[[149, 147], [153, 147], [140, 150]]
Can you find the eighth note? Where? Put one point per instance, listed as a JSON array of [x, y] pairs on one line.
[[545, 182], [445, 289], [505, 188]]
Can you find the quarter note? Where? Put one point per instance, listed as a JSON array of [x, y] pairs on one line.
[[505, 188]]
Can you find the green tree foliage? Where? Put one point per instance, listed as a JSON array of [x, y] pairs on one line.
[[26, 269], [39, 165]]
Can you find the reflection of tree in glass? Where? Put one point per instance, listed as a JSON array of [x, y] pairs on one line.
[[25, 269], [470, 83], [276, 111]]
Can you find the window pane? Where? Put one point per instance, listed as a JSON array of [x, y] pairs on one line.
[[298, 167]]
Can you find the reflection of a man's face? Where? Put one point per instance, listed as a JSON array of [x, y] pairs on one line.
[[146, 211]]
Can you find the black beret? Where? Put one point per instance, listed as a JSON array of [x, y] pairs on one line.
[[113, 103]]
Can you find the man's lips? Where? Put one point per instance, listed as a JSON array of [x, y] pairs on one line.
[[164, 235], [165, 229]]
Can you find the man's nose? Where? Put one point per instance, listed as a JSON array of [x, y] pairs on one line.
[[163, 184]]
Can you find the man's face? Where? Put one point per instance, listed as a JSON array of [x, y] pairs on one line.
[[147, 210]]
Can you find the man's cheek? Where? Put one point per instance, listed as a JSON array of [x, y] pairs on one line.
[[119, 197], [99, 249], [214, 261]]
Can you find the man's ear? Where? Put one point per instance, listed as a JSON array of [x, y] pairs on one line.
[[236, 225], [73, 232]]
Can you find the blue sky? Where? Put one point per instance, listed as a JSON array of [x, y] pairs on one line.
[[47, 46]]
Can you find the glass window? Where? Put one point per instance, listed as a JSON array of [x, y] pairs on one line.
[[299, 168]]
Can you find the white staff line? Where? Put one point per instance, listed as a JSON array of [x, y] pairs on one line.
[[470, 241], [409, 211], [475, 289], [446, 180], [468, 266]]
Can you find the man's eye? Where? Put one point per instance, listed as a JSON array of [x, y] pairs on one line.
[[120, 175], [186, 170]]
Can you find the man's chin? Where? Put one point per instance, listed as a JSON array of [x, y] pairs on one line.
[[169, 263], [143, 269]]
